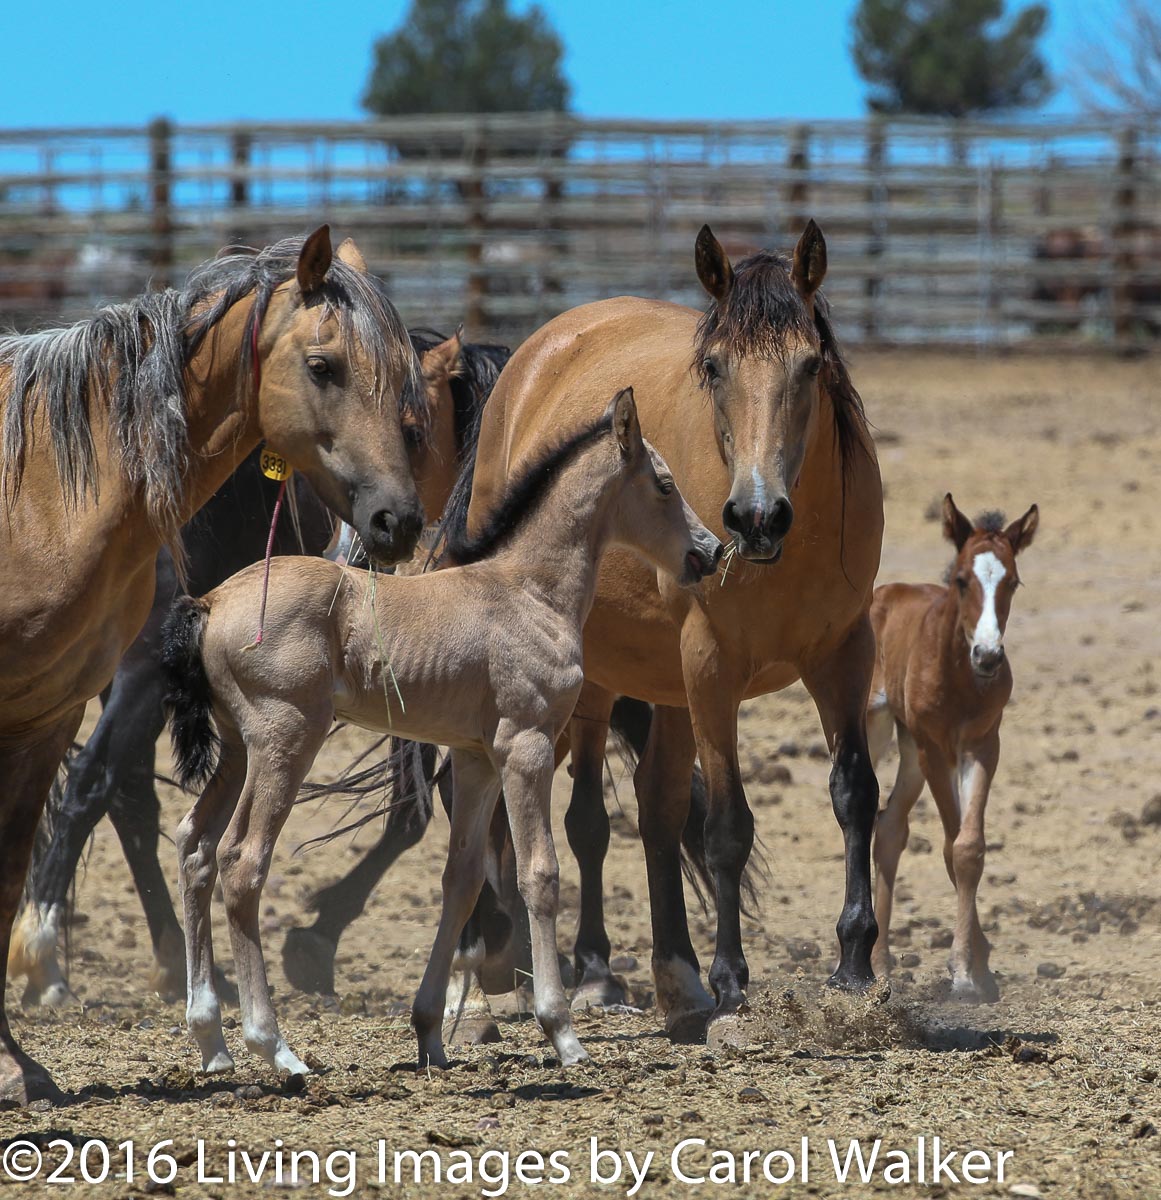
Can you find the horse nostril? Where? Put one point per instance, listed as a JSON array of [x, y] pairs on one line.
[[781, 517], [730, 518], [385, 521], [716, 556]]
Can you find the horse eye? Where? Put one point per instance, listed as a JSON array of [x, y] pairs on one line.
[[413, 436], [318, 366], [961, 583], [813, 365], [711, 369], [664, 485]]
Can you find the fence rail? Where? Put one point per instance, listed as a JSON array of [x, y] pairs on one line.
[[1045, 233]]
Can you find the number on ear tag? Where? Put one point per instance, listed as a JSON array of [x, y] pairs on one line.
[[274, 466]]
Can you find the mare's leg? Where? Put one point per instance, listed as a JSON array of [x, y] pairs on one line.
[[527, 765], [26, 773], [290, 739], [477, 787], [587, 825], [467, 1015], [662, 785], [136, 816], [891, 830], [197, 840], [839, 686], [961, 807], [308, 954]]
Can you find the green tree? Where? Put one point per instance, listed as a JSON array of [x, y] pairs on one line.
[[950, 58], [467, 56]]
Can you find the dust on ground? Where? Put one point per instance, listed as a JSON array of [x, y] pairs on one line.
[[1063, 1071]]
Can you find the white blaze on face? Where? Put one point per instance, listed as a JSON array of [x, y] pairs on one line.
[[988, 569]]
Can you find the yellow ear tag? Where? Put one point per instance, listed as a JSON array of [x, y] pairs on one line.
[[274, 466]]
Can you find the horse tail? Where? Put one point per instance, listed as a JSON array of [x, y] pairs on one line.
[[188, 697], [631, 721]]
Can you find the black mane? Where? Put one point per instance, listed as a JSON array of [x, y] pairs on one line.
[[520, 499]]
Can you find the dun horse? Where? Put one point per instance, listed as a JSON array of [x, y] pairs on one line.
[[116, 430], [483, 657], [114, 772], [942, 680], [751, 404]]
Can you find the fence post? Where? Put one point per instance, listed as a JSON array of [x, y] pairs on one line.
[[877, 237], [240, 144], [1124, 223], [475, 193], [797, 197], [161, 223]]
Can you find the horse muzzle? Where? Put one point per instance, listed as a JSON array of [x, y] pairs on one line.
[[757, 530], [390, 535], [702, 561]]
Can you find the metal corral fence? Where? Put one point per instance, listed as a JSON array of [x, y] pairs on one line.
[[1046, 233]]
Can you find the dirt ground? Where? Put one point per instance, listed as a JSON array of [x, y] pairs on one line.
[[1062, 1072]]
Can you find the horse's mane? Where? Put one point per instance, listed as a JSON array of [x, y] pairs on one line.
[[762, 311], [456, 548], [131, 358]]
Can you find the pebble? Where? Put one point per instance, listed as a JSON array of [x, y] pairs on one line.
[[1050, 970], [1151, 813]]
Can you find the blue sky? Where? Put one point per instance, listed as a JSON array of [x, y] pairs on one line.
[[81, 63]]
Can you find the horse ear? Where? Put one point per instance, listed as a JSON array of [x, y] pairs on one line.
[[809, 267], [349, 253], [626, 427], [956, 527], [713, 265], [1020, 533], [444, 361], [314, 261]]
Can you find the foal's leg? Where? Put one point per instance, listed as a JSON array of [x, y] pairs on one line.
[[477, 787], [527, 768], [197, 843], [962, 811], [26, 774], [587, 825], [890, 840], [278, 763], [662, 783], [839, 686]]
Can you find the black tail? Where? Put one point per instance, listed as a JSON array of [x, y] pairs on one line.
[[631, 722], [188, 699], [405, 777]]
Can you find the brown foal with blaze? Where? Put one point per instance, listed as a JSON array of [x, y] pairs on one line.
[[942, 680]]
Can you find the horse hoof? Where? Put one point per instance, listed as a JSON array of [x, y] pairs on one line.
[[726, 1030], [569, 1050], [28, 1084], [688, 1028], [855, 981], [433, 1059], [55, 995], [472, 1031], [218, 1064], [168, 982], [604, 991], [970, 991], [308, 961]]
